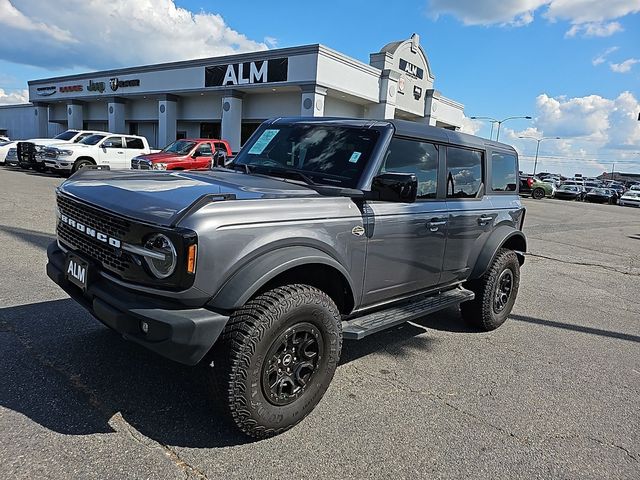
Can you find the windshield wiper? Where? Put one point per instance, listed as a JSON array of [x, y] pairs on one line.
[[292, 171], [243, 167]]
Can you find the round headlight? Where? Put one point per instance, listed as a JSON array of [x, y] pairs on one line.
[[161, 244]]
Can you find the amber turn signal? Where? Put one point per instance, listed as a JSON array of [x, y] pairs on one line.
[[191, 258]]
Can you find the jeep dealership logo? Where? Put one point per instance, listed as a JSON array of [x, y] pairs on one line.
[[115, 84], [265, 71], [90, 232], [95, 86]]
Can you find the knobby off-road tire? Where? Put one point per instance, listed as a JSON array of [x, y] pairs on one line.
[[495, 291], [276, 358]]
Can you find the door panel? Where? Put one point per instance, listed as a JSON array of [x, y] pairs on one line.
[[113, 153], [469, 227], [405, 248]]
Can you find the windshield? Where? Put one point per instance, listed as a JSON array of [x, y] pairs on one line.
[[91, 139], [632, 194], [330, 155], [68, 135], [180, 147], [570, 188], [600, 191]]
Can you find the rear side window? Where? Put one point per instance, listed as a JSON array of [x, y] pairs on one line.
[[503, 172], [412, 156], [135, 143], [464, 172]]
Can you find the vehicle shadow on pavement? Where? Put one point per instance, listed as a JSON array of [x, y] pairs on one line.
[[69, 373], [32, 237], [66, 371]]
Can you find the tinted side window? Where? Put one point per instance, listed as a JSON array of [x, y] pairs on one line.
[[204, 150], [113, 142], [135, 143], [412, 156], [464, 172], [503, 172]]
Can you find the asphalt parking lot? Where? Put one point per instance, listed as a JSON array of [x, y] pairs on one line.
[[553, 393]]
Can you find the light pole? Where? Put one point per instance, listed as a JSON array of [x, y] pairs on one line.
[[535, 163], [499, 122]]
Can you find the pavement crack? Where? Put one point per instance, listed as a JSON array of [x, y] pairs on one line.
[[585, 264]]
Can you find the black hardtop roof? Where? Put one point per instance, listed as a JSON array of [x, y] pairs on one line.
[[403, 128]]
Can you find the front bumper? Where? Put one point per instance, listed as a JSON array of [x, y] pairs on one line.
[[181, 334], [58, 164]]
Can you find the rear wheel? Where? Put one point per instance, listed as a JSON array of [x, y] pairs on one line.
[[276, 358], [538, 193], [495, 291]]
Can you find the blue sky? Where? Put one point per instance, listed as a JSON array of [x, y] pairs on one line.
[[573, 65]]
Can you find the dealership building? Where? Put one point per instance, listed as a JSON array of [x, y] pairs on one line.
[[228, 97]]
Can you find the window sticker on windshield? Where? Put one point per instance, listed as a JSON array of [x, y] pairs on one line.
[[262, 142], [355, 156]]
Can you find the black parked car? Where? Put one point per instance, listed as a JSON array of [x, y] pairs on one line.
[[569, 192], [602, 195]]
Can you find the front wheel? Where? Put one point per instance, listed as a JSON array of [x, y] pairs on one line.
[[276, 358], [80, 164], [495, 291]]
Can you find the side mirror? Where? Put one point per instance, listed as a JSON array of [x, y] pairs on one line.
[[395, 187], [195, 154]]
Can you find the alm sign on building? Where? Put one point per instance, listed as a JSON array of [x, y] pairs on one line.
[[265, 71]]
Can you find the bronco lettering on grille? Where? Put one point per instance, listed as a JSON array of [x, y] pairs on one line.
[[81, 227]]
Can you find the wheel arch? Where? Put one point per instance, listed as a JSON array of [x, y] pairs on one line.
[[288, 265], [502, 237]]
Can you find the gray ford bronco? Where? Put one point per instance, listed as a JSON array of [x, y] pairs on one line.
[[320, 229]]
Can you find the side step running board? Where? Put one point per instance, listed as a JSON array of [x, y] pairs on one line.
[[359, 328]]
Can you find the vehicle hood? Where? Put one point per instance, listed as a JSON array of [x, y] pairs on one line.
[[46, 141], [160, 197], [162, 157]]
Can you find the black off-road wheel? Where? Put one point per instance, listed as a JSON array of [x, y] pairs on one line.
[[538, 193], [495, 291], [276, 358]]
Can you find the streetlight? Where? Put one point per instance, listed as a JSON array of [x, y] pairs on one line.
[[535, 163], [499, 122]]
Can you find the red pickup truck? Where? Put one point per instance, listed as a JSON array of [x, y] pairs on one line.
[[184, 154]]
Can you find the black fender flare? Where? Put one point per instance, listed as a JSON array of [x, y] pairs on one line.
[[500, 236], [252, 276]]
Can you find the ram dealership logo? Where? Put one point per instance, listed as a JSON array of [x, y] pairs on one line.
[[90, 232]]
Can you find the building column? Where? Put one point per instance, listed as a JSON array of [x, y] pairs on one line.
[[41, 119], [167, 119], [312, 101], [232, 118], [386, 108], [116, 115], [75, 116]]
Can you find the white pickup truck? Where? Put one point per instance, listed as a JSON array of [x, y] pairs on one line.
[[106, 149], [30, 152]]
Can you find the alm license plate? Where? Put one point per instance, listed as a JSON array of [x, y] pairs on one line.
[[77, 271]]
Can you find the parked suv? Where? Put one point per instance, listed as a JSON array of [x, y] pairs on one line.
[[321, 230], [186, 154]]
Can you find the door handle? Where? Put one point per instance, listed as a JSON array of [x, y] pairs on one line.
[[121, 153], [435, 223], [484, 219]]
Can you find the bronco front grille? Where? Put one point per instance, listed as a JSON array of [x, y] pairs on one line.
[[109, 257]]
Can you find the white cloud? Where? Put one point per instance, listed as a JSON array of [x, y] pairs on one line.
[[595, 132], [488, 12], [623, 67], [587, 16], [601, 58], [471, 126], [594, 29], [14, 96], [81, 33], [585, 11]]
